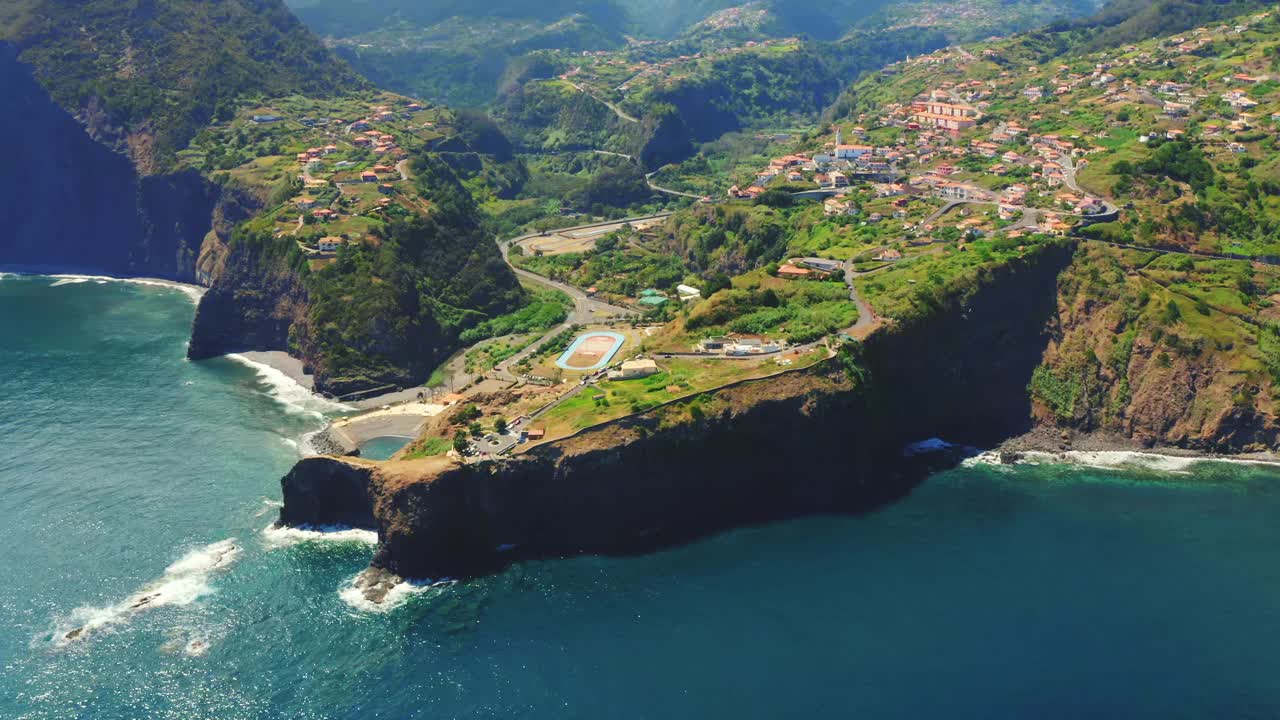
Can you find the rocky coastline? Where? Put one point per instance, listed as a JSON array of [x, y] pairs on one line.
[[1066, 443], [821, 440], [329, 442]]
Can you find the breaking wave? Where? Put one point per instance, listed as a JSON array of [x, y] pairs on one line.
[[398, 595], [1111, 460], [288, 392], [191, 291], [278, 536], [183, 583]]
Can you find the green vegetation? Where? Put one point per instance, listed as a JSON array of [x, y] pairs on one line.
[[622, 265], [1120, 22], [679, 380], [161, 88], [486, 356], [389, 311], [428, 447], [1152, 321], [799, 311], [918, 287], [546, 309]]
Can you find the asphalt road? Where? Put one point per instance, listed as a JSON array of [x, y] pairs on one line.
[[657, 188], [586, 310]]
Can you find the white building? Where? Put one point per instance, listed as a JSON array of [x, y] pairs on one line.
[[633, 369]]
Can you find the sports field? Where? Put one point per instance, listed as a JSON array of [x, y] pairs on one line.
[[591, 351]]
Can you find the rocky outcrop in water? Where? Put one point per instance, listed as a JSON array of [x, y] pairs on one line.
[[327, 492]]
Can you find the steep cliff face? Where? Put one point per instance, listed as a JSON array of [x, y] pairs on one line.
[[330, 493], [68, 201], [821, 440], [254, 304], [100, 97], [1164, 351]]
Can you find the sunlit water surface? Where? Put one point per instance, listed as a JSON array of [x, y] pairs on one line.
[[135, 488]]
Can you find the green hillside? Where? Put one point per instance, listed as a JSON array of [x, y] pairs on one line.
[[1127, 21], [152, 74]]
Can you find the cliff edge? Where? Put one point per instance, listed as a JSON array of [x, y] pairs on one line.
[[821, 440]]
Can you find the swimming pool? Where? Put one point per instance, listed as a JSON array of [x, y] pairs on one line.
[[591, 351], [383, 446]]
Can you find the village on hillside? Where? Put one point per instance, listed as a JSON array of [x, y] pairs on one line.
[[1013, 149], [987, 155], [332, 171]]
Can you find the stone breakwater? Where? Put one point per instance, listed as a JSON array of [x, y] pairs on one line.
[[331, 441]]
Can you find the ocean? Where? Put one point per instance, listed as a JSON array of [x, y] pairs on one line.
[[136, 489]]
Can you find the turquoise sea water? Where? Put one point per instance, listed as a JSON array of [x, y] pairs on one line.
[[131, 477]]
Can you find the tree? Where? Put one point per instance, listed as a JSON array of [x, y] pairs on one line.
[[716, 283], [460, 443], [500, 426], [476, 429], [468, 413]]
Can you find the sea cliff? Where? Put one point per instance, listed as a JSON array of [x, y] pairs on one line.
[[820, 440], [71, 202]]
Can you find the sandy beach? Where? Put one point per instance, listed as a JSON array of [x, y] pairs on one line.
[[284, 362], [293, 368]]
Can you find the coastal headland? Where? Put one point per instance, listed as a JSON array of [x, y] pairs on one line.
[[823, 439]]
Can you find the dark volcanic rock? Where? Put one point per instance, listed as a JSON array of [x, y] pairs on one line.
[[69, 202], [252, 306], [324, 492], [812, 441]]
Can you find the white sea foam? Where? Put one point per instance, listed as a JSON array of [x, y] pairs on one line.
[[191, 291], [274, 536], [268, 505], [196, 647], [1114, 460], [192, 641], [395, 597], [288, 392], [305, 448], [183, 583]]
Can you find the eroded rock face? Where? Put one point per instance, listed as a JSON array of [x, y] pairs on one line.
[[70, 202], [1128, 379], [323, 491], [253, 305], [812, 441]]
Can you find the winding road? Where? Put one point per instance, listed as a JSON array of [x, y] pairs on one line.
[[616, 110], [648, 178], [586, 309]]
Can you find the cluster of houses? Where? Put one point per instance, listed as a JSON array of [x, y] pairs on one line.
[[665, 71], [947, 138], [315, 153], [837, 166]]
